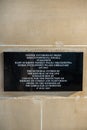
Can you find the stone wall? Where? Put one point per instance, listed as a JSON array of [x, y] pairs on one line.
[[35, 22]]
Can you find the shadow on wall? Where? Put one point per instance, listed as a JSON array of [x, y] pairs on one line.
[[26, 94]]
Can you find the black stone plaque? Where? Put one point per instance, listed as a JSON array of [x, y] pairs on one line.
[[43, 71]]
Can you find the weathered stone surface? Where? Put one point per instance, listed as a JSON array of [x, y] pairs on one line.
[[65, 114], [19, 114], [43, 22]]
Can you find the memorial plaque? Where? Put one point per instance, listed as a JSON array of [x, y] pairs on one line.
[[43, 71]]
